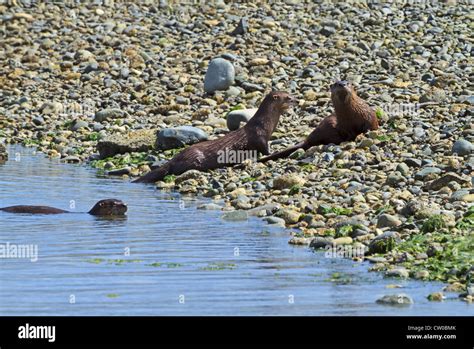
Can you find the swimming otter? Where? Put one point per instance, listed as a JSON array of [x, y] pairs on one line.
[[107, 207], [251, 138], [352, 117]]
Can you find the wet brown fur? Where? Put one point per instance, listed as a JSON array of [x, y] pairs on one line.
[[352, 117], [106, 207], [254, 136]]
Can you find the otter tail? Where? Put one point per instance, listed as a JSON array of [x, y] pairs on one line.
[[283, 153], [155, 175]]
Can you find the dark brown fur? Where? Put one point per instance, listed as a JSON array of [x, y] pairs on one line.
[[254, 136], [352, 117], [107, 207], [32, 209]]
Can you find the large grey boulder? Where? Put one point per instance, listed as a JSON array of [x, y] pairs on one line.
[[177, 137], [219, 76], [133, 141]]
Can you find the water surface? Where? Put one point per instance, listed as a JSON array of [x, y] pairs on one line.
[[181, 261]]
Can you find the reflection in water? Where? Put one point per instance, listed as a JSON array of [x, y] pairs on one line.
[[167, 259]]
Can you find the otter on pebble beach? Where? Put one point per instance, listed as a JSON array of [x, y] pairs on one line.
[[352, 117], [106, 207], [250, 139]]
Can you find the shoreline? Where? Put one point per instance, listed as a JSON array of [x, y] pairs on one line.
[[402, 192], [332, 247]]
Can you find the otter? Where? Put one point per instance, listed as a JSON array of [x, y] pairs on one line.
[[250, 139], [106, 207], [352, 117]]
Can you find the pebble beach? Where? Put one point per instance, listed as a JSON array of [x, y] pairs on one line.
[[124, 86]]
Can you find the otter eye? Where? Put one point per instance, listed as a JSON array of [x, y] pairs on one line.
[[275, 97]]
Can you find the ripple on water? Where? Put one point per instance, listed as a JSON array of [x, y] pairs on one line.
[[173, 252]]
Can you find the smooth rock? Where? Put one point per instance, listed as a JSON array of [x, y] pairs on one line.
[[287, 181], [290, 216], [38, 120], [400, 299], [190, 174], [397, 272], [427, 172], [459, 195], [320, 242], [275, 220], [436, 297], [394, 178], [388, 221], [412, 162], [297, 240], [120, 172], [403, 168], [345, 240], [107, 114], [219, 76], [422, 274], [78, 124], [327, 31], [171, 138], [236, 117], [462, 147], [237, 215]]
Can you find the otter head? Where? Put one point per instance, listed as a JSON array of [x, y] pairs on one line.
[[109, 207], [341, 91], [281, 100]]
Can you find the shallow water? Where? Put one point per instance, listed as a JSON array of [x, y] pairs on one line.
[[182, 261]]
